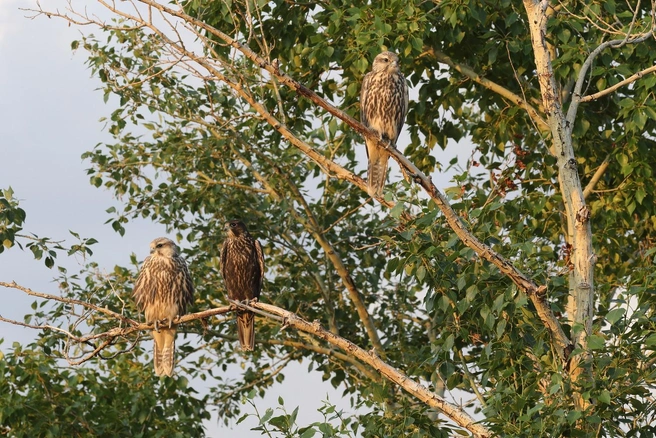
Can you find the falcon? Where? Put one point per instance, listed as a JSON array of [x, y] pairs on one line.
[[163, 291], [242, 268], [383, 107]]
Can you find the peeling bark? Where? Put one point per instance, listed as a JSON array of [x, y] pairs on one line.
[[579, 234]]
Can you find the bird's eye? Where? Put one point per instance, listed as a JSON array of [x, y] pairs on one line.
[[159, 245], [385, 59], [233, 225]]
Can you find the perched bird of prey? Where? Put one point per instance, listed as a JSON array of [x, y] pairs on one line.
[[383, 107], [242, 268], [163, 291]]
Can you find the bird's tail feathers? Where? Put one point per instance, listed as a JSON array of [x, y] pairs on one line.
[[377, 172], [164, 351], [246, 330]]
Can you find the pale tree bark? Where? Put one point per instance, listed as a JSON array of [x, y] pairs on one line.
[[579, 234]]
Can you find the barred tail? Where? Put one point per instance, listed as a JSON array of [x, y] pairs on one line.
[[164, 351], [378, 159], [246, 330]]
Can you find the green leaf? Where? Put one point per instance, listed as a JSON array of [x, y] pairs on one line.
[[397, 210], [615, 315], [308, 433], [604, 397], [573, 416], [596, 342], [267, 415], [421, 273], [651, 340]]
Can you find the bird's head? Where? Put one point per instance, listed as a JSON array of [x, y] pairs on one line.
[[236, 228], [163, 247], [386, 61]]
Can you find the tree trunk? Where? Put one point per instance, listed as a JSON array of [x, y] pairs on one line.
[[579, 235]]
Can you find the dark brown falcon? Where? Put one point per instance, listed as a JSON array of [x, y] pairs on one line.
[[242, 268], [163, 291], [383, 107]]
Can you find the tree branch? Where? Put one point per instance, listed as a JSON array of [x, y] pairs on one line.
[[312, 225], [596, 177], [576, 96], [492, 86], [630, 79], [580, 301], [419, 391], [14, 285]]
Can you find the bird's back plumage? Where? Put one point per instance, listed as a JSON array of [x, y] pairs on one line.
[[383, 107], [163, 291], [242, 268]]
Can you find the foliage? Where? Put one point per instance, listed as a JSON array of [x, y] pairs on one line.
[[191, 153], [39, 397], [11, 219]]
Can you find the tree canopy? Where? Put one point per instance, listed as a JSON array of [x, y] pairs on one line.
[[526, 287]]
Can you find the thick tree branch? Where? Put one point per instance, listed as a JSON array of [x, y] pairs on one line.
[[392, 374]]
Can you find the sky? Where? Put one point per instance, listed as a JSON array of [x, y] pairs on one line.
[[49, 116]]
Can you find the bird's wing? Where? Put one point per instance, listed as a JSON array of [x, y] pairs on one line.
[[364, 95], [189, 284], [260, 259], [224, 256], [404, 108], [137, 292]]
